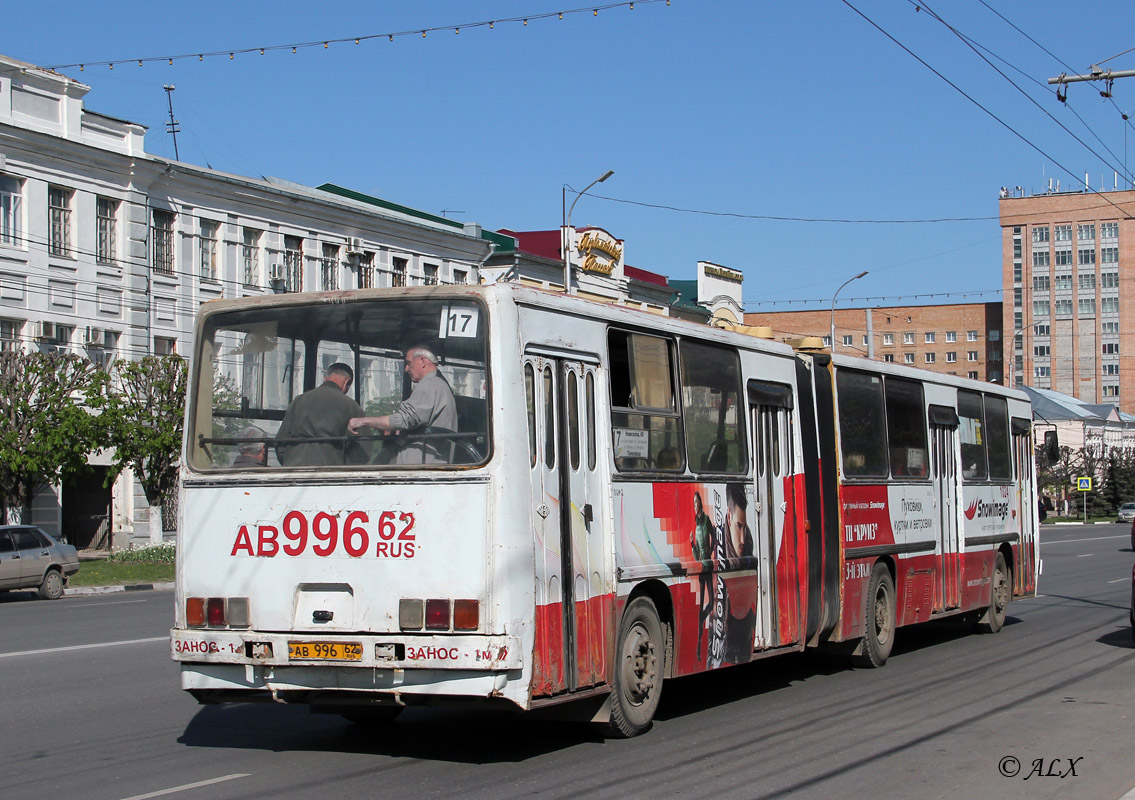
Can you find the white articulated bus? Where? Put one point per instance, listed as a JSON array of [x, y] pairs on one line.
[[625, 498]]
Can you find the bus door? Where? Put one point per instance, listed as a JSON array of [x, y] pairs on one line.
[[944, 459], [566, 495], [771, 410], [1026, 506]]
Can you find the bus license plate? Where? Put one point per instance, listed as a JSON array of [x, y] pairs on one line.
[[325, 651]]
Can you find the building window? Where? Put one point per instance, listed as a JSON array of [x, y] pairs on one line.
[[889, 358], [951, 358], [11, 210], [1110, 369], [888, 338], [930, 358], [1041, 283], [250, 256], [460, 277], [430, 271], [1041, 351], [972, 376], [951, 336], [971, 336], [1040, 234], [59, 220], [1087, 280], [865, 340], [1042, 372], [1109, 305], [398, 272], [10, 335], [908, 338], [1111, 391], [1063, 233], [1062, 283], [1109, 280], [971, 355], [1109, 230], [329, 268], [1111, 348], [162, 235], [209, 230], [1040, 308], [1063, 258], [1086, 233], [1087, 256], [164, 346], [1040, 259], [1105, 327], [827, 341], [293, 264], [1109, 255], [106, 211], [908, 358], [1063, 308], [366, 271], [929, 337], [847, 340]]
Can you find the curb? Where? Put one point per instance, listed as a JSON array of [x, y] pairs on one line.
[[127, 587]]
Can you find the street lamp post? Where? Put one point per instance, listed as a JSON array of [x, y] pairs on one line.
[[834, 296], [567, 229]]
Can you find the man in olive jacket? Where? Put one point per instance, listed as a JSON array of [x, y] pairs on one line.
[[321, 413]]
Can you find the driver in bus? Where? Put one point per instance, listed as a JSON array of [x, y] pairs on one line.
[[430, 408], [321, 413]]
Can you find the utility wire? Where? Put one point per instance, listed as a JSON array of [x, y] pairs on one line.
[[962, 92]]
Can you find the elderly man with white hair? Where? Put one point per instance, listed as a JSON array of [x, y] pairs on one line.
[[430, 408]]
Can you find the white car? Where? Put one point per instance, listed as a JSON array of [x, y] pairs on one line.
[[1126, 513]]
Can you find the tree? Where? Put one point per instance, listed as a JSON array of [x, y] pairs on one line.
[[47, 429], [143, 417]]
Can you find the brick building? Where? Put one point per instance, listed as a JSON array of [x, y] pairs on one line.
[[963, 339], [1067, 259]]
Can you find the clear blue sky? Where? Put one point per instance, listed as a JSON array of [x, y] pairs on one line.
[[746, 107]]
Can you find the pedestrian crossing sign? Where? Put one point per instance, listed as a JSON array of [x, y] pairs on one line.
[[1083, 484]]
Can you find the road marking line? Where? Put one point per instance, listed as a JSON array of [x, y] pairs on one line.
[[1085, 555], [1121, 580], [187, 786], [100, 605], [83, 647], [1074, 541]]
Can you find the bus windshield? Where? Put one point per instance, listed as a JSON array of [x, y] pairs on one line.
[[275, 387]]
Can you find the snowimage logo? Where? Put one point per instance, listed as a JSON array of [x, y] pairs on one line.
[[982, 510]]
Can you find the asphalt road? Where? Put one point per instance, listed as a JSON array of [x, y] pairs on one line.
[[92, 709]]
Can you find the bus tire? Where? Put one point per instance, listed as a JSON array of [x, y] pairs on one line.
[[994, 616], [878, 619], [639, 668]]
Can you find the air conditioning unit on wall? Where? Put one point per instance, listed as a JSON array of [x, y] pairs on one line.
[[354, 246], [276, 273], [46, 331], [95, 337]]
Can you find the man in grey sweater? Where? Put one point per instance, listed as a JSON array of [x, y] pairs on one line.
[[430, 408]]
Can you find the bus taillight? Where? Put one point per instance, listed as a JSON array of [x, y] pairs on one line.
[[437, 615], [195, 612], [466, 615], [215, 612]]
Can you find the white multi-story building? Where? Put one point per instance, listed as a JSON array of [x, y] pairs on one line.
[[107, 251]]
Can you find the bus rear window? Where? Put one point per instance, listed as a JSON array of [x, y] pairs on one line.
[[268, 392]]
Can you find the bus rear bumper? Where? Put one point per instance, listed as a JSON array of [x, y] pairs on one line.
[[339, 651]]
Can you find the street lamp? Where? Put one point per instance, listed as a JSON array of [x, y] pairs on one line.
[[834, 296], [567, 229]]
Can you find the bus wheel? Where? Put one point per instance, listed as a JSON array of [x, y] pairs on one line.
[[638, 670], [994, 616], [878, 619]]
